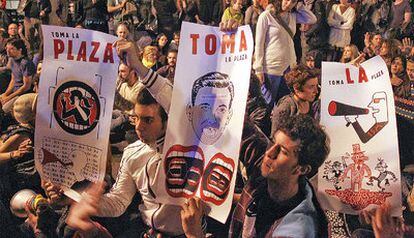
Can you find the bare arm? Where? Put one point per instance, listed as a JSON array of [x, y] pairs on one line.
[[12, 143], [27, 82], [24, 147]]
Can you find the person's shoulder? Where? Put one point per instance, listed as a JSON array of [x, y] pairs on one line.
[[286, 100], [297, 225], [267, 12], [163, 69], [303, 220], [135, 148], [265, 15], [27, 61], [334, 6]]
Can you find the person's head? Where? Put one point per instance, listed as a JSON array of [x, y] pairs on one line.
[[172, 58], [161, 40], [13, 30], [398, 65], [349, 54], [24, 109], [122, 31], [16, 48], [410, 68], [150, 53], [176, 37], [344, 2], [150, 119], [303, 83], [299, 148], [376, 40], [283, 5], [124, 71], [385, 48], [210, 109], [236, 5], [313, 59]]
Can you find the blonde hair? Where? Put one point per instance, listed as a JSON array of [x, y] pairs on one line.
[[148, 50], [354, 50]]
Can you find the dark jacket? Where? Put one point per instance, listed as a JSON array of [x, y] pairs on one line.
[[318, 35], [63, 13], [43, 5]]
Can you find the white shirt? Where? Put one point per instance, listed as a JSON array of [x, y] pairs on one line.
[[275, 50], [340, 34]]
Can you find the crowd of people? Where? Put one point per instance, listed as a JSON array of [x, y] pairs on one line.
[[282, 145]]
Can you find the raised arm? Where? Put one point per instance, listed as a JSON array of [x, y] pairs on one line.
[[159, 87]]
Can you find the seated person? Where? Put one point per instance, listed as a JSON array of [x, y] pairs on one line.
[[140, 163], [22, 72], [168, 71], [16, 151], [127, 89]]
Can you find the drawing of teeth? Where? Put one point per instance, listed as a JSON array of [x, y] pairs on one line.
[[184, 166], [217, 177]]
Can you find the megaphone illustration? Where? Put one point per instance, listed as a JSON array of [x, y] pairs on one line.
[[341, 109]]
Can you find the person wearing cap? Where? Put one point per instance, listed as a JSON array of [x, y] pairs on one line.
[[16, 148]]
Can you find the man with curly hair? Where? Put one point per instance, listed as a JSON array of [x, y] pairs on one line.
[[277, 200]]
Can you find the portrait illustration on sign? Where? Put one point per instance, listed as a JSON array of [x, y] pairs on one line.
[[210, 109]]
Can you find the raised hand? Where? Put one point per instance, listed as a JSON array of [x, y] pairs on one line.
[[80, 213], [191, 215], [230, 25], [53, 192], [384, 225]]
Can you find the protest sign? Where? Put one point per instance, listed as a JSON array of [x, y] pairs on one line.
[[357, 110], [76, 94], [200, 154]]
